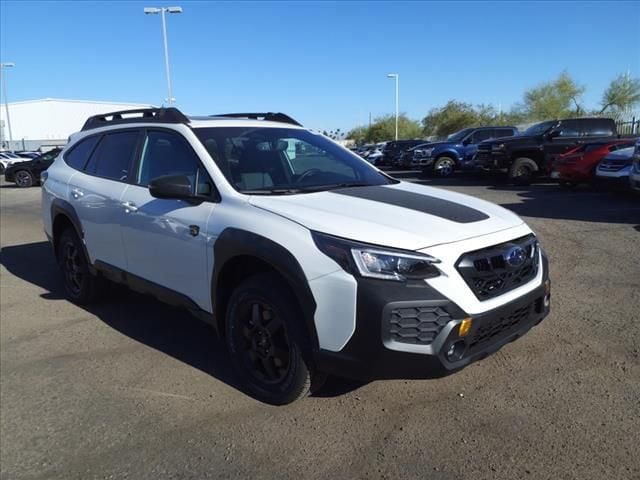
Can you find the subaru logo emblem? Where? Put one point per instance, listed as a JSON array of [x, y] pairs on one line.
[[515, 257]]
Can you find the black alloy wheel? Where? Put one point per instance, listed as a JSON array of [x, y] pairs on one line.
[[81, 285], [265, 335], [23, 179], [265, 348]]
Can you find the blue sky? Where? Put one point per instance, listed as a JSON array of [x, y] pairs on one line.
[[324, 63]]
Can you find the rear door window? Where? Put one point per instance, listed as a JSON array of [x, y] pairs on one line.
[[113, 155], [503, 132], [598, 128]]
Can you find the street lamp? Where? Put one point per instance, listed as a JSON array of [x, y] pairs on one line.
[[6, 101], [163, 11], [397, 77]]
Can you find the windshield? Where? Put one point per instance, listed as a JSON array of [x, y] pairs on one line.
[[539, 128], [458, 136], [277, 161]]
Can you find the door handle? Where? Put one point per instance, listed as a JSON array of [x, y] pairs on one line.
[[129, 207], [76, 193]]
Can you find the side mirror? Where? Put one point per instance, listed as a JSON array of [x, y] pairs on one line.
[[554, 133], [171, 186]]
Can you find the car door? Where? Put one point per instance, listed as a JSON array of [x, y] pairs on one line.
[[95, 193], [469, 149], [165, 239], [565, 136]]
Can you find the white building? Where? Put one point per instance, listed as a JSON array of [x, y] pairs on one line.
[[49, 122]]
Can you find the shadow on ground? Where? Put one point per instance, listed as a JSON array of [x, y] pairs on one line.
[[170, 330]]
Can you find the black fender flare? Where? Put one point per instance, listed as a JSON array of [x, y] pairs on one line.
[[233, 243], [62, 207]]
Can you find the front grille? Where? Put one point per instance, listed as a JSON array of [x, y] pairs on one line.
[[417, 325], [497, 326], [490, 272], [483, 154], [613, 165]]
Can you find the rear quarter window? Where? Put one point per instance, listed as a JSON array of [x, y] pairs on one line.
[[79, 154]]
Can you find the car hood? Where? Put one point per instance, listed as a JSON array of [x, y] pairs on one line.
[[404, 215]]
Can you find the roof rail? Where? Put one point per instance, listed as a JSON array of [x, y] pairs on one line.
[[269, 116], [146, 115]]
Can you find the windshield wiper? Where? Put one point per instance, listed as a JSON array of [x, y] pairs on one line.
[[272, 191], [333, 186]]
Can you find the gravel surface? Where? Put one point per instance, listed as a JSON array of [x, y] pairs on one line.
[[131, 388]]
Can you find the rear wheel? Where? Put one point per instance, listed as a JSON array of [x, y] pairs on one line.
[[265, 337], [23, 179], [444, 166], [523, 171], [81, 285]]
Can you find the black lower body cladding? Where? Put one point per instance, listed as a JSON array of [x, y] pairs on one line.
[[376, 351]]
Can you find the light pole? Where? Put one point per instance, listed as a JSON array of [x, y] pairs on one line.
[[6, 101], [163, 11], [397, 77]]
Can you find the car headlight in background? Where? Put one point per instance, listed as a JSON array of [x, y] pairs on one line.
[[375, 262], [636, 163]]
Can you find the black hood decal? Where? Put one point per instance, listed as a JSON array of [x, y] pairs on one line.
[[416, 201]]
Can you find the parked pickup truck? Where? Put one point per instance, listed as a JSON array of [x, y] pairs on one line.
[[458, 151], [532, 153]]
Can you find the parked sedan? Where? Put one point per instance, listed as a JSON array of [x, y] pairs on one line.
[[615, 168], [579, 165], [9, 158], [26, 174], [634, 176]]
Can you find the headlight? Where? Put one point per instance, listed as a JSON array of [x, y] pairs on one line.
[[428, 151], [499, 146], [374, 262]]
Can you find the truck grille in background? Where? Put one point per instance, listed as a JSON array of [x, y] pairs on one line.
[[483, 155], [495, 327], [488, 273], [417, 325]]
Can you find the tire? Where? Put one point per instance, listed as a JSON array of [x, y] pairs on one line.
[[523, 171], [23, 179], [266, 340], [81, 286], [444, 166]]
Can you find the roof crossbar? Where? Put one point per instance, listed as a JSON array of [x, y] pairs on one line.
[[268, 116], [141, 115]]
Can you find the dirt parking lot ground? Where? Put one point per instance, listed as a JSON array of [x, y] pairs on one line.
[[131, 388]]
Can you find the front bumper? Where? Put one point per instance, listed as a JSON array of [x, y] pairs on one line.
[[385, 312]]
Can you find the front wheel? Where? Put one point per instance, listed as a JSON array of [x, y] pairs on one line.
[[523, 171], [444, 166], [266, 340], [23, 179]]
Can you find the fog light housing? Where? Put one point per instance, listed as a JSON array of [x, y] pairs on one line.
[[456, 350], [547, 293]]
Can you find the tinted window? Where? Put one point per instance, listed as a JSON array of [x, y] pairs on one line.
[[503, 132], [79, 154], [166, 153], [481, 135], [569, 128], [598, 128], [113, 155]]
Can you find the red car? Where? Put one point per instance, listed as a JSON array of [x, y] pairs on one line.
[[579, 165]]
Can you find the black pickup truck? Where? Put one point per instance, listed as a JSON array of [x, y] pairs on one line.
[[532, 153]]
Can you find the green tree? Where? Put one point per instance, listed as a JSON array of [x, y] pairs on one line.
[[384, 128], [622, 94], [556, 99]]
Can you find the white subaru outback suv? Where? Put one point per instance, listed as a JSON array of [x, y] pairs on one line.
[[307, 260]]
